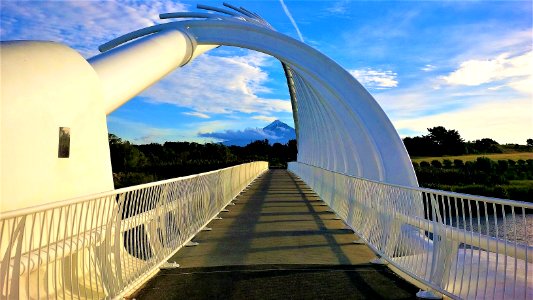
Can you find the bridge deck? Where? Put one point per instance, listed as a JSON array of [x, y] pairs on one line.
[[279, 240]]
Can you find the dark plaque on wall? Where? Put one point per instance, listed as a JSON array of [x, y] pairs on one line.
[[64, 142]]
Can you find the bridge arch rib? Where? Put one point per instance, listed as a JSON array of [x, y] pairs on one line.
[[340, 126]]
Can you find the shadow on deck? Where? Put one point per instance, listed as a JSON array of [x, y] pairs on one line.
[[278, 241]]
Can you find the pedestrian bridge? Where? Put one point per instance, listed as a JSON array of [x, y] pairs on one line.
[[109, 243]]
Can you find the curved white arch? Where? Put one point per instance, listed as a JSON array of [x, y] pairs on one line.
[[340, 126]]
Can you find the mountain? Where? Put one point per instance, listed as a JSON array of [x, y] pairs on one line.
[[278, 126], [275, 132], [280, 132]]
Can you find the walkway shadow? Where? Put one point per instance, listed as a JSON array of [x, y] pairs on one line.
[[278, 223], [279, 282]]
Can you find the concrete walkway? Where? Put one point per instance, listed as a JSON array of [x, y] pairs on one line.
[[278, 240]]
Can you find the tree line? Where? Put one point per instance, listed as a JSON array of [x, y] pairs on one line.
[[506, 179], [441, 141], [483, 176], [136, 164]]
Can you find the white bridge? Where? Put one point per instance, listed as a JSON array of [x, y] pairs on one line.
[[105, 244]]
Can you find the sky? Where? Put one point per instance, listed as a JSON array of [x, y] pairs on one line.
[[464, 65]]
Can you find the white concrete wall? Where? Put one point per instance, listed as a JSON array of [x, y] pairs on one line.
[[45, 86]]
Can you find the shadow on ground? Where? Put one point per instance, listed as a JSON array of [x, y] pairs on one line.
[[280, 241], [279, 282]]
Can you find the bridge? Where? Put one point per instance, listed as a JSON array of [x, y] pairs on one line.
[[106, 243]]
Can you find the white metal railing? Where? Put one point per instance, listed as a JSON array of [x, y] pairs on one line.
[[462, 246], [100, 246]]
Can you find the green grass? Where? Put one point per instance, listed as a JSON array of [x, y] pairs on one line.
[[471, 157], [521, 190], [521, 183]]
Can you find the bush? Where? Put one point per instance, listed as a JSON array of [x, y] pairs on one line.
[[424, 164], [436, 164], [530, 163], [122, 179], [502, 166], [447, 163], [520, 193], [482, 190], [521, 164], [483, 164], [458, 163]]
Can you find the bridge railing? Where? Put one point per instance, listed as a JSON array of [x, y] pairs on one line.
[[460, 245], [101, 246]]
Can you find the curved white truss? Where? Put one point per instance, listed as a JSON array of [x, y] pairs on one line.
[[340, 126]]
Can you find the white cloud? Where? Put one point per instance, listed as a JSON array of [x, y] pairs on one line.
[[215, 125], [487, 95], [338, 7], [515, 71], [504, 121], [488, 43], [243, 137], [249, 134], [197, 114], [143, 133], [208, 85], [428, 68], [375, 79], [476, 112], [83, 25], [219, 85], [269, 119]]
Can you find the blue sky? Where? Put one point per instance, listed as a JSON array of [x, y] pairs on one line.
[[465, 65]]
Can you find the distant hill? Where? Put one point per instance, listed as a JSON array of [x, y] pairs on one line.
[[275, 132]]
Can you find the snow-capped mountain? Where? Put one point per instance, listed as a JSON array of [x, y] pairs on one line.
[[275, 132], [280, 131]]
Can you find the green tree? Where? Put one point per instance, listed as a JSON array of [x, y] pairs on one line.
[[485, 145], [449, 142], [420, 146], [292, 146]]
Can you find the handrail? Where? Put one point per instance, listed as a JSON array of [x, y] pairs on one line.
[[527, 205], [102, 245], [32, 209], [459, 245]]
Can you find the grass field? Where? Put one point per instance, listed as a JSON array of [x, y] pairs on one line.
[[521, 183], [499, 156]]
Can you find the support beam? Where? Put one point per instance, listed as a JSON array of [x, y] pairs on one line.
[[129, 69]]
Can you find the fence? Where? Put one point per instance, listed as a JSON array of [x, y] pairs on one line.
[[462, 246], [102, 245]]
